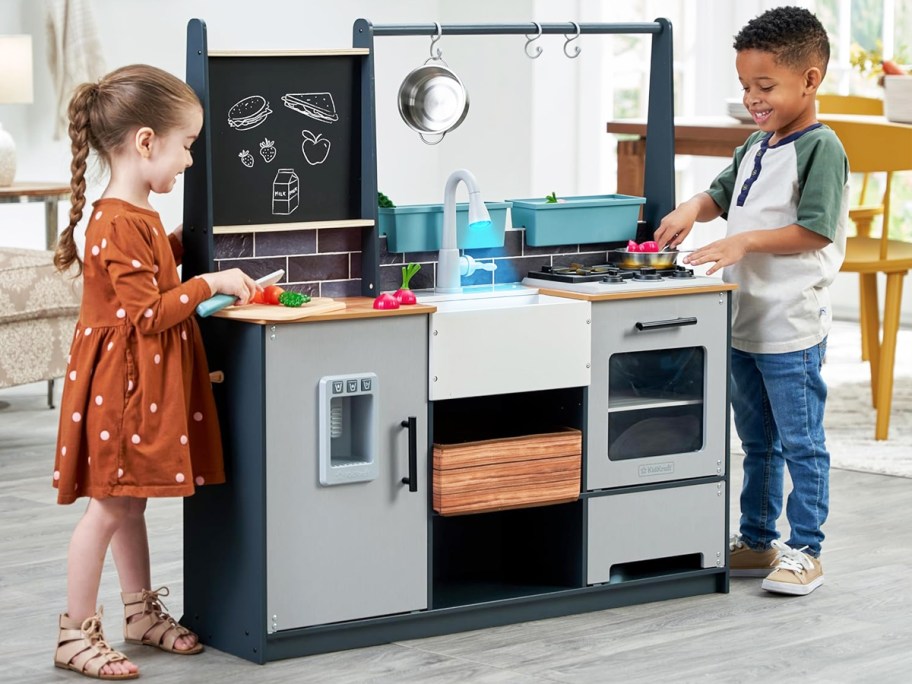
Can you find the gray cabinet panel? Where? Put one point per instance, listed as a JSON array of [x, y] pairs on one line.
[[655, 524], [352, 549]]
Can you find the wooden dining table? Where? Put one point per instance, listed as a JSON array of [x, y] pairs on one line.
[[704, 136]]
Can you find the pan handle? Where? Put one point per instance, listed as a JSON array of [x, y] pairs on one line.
[[672, 323], [427, 141]]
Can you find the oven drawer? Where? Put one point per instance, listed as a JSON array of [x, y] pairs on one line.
[[658, 531], [658, 398]]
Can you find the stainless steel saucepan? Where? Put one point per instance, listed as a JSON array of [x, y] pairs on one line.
[[432, 100], [659, 260]]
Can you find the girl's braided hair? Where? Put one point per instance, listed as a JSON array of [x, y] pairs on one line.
[[103, 114]]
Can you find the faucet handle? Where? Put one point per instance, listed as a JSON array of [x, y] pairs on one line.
[[468, 265]]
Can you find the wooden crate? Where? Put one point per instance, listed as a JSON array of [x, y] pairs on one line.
[[510, 472]]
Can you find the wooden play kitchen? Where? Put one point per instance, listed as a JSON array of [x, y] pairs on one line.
[[391, 474]]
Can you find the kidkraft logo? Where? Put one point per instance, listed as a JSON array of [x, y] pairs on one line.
[[656, 469]]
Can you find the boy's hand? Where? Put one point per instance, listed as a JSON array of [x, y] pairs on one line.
[[724, 252], [675, 227]]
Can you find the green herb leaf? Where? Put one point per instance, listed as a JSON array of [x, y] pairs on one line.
[[293, 299], [408, 272], [384, 202]]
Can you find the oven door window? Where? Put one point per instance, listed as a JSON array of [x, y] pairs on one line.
[[655, 402]]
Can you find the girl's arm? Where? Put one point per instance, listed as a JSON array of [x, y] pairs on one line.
[[176, 240]]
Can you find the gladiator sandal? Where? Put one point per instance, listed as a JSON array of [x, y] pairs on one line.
[[155, 627], [81, 647]]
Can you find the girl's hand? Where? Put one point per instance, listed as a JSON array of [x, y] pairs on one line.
[[724, 252], [233, 282], [179, 233]]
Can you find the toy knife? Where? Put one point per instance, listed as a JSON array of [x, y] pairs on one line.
[[218, 302]]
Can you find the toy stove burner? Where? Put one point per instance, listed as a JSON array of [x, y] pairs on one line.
[[608, 274], [646, 273]]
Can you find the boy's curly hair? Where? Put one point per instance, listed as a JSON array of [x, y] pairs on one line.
[[793, 34]]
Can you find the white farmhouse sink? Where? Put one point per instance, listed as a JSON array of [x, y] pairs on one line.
[[506, 339]]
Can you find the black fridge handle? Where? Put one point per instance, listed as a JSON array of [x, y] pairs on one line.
[[673, 323], [412, 479]]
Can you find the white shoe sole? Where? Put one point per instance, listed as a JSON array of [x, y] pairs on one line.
[[791, 588]]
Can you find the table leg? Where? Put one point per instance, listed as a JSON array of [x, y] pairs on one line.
[[50, 222]]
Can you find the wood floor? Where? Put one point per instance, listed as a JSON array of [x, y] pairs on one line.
[[856, 628]]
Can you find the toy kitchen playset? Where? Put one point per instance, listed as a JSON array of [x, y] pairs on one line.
[[394, 474]]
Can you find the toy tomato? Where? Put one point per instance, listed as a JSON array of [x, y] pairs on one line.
[[271, 294], [632, 246], [649, 246], [257, 298]]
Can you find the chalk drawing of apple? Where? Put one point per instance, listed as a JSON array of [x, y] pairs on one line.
[[315, 148]]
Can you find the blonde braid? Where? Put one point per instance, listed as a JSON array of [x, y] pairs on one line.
[[79, 113]]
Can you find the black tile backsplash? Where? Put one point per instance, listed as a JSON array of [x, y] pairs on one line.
[[327, 262]]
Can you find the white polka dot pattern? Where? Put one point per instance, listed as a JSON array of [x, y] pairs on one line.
[[110, 346], [136, 263], [56, 475], [148, 313], [183, 439], [184, 335], [97, 215], [63, 451], [200, 480], [153, 407], [157, 359], [73, 376], [119, 473], [96, 250], [77, 417], [121, 313], [88, 331], [104, 242], [184, 299], [136, 439], [105, 435], [99, 400], [179, 477], [197, 416]]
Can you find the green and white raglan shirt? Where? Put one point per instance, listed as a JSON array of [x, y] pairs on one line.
[[782, 303]]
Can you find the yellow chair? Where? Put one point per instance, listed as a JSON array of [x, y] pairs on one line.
[[878, 146], [862, 215]]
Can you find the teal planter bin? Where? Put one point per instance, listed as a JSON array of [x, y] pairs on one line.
[[578, 220], [419, 227]]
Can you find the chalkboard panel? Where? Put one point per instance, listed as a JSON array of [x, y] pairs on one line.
[[285, 138]]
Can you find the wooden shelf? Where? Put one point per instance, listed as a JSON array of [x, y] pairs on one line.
[[300, 225]]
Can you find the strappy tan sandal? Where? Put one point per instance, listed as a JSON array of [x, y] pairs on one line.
[[81, 647], [155, 627]]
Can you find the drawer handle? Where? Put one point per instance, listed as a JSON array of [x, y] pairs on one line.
[[412, 479], [672, 323]]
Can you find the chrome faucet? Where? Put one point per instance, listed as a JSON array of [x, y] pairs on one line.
[[448, 259]]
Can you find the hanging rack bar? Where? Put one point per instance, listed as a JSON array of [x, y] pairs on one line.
[[510, 29]]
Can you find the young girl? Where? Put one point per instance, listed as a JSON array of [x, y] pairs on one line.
[[137, 417]]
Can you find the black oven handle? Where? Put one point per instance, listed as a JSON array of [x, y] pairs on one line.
[[673, 323], [412, 479]]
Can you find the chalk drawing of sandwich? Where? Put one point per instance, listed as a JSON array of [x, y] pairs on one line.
[[319, 106]]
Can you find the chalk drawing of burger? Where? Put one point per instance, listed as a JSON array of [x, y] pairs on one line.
[[248, 113]]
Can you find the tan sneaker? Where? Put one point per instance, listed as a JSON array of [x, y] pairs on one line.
[[796, 573], [745, 562]]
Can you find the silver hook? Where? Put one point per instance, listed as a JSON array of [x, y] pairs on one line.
[[576, 48], [529, 41], [434, 40]]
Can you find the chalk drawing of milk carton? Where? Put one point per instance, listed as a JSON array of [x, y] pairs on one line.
[[285, 192]]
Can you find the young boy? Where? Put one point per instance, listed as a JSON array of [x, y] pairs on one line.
[[785, 199]]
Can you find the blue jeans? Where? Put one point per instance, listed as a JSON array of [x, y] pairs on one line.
[[778, 402]]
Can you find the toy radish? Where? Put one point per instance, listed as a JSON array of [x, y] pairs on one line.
[[404, 295]]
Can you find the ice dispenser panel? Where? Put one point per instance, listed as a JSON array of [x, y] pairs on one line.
[[349, 431]]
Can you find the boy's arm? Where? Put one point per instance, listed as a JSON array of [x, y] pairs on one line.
[[790, 239]]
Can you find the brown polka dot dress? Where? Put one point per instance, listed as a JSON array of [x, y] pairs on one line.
[[137, 417]]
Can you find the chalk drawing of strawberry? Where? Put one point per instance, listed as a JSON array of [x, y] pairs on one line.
[[246, 158], [267, 151]]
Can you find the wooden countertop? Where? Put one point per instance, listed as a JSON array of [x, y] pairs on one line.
[[355, 307], [644, 294]]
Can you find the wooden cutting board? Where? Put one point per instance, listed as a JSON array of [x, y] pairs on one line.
[[268, 313]]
